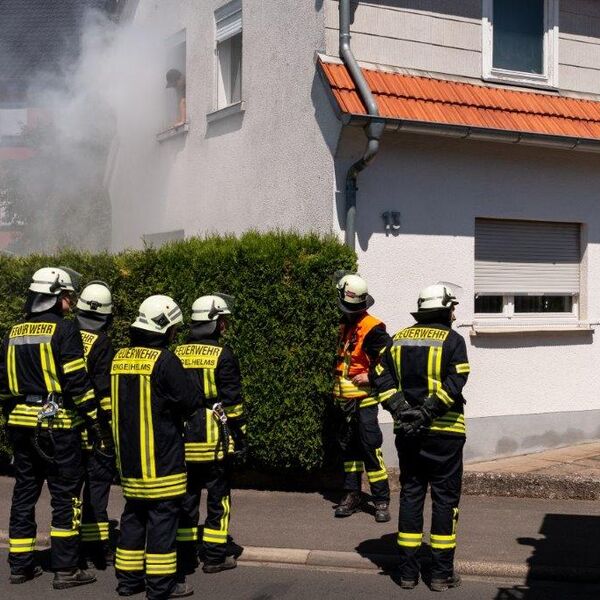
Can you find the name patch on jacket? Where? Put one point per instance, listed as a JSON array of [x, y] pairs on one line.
[[31, 333], [199, 356], [88, 340], [424, 334], [134, 361]]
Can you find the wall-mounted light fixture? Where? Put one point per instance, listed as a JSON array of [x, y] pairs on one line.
[[391, 220]]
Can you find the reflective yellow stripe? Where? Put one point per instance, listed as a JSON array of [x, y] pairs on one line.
[[444, 397], [114, 399], [146, 430], [443, 542], [49, 368], [434, 364], [409, 540], [187, 534], [86, 397], [63, 533], [11, 364], [161, 564], [226, 504], [91, 532], [370, 401], [386, 395], [74, 365], [451, 422], [235, 411], [354, 466], [396, 352], [129, 560], [24, 415], [21, 545], [105, 404], [159, 487], [381, 474], [463, 368], [344, 388], [215, 536]]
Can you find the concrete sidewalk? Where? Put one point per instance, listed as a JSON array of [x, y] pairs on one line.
[[507, 537], [572, 472]]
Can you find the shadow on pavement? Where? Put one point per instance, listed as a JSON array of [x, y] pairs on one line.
[[568, 550]]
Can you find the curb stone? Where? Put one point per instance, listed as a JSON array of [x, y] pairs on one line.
[[376, 562]]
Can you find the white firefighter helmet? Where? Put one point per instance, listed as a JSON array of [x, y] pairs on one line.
[[51, 281], [436, 297], [353, 293], [210, 308], [95, 297], [157, 314]]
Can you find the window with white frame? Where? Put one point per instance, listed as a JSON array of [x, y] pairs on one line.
[[527, 270], [228, 21], [520, 41], [175, 71]]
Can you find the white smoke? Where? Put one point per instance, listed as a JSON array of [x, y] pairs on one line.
[[115, 85]]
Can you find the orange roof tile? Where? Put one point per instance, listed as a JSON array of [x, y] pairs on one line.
[[454, 103]]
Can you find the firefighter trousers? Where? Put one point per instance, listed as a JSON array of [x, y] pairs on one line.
[[437, 461], [215, 478], [99, 474], [146, 552], [64, 477], [363, 452]]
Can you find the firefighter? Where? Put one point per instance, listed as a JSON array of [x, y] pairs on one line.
[[362, 338], [151, 397], [48, 396], [420, 378], [94, 318], [212, 434]]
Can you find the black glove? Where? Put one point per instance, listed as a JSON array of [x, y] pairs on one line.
[[396, 404], [415, 420], [101, 438], [240, 445]]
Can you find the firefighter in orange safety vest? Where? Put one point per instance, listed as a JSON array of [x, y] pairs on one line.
[[362, 338]]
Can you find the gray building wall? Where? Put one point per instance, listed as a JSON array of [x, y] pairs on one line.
[[268, 167], [526, 391], [445, 37]]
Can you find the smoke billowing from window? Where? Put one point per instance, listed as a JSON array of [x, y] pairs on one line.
[[60, 195]]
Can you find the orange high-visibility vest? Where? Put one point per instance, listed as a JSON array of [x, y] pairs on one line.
[[352, 359]]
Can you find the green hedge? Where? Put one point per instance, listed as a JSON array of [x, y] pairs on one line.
[[284, 327]]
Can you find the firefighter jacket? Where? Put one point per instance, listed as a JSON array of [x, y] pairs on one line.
[[98, 352], [427, 360], [151, 398], [215, 372], [359, 346], [40, 356]]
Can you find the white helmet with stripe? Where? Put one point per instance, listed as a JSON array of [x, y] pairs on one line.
[[95, 298], [51, 281], [158, 314], [210, 308], [436, 297]]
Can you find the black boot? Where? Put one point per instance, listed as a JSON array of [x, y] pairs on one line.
[[408, 584], [382, 511], [228, 563], [441, 585], [349, 505], [72, 578], [26, 575]]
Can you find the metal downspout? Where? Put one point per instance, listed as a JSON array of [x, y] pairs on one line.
[[373, 130]]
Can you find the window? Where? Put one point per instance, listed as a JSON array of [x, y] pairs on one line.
[[520, 42], [228, 21], [175, 74], [527, 270]]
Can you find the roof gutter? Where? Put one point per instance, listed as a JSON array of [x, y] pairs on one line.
[[374, 126], [480, 133]]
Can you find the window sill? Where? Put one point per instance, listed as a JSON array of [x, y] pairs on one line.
[[478, 328], [519, 80], [227, 111], [172, 132]]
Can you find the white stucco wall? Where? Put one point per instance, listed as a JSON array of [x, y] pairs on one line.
[[440, 186], [270, 167]]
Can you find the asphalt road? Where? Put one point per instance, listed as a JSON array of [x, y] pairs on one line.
[[260, 582]]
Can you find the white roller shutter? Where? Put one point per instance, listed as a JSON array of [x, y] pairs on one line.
[[229, 20], [526, 257]]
